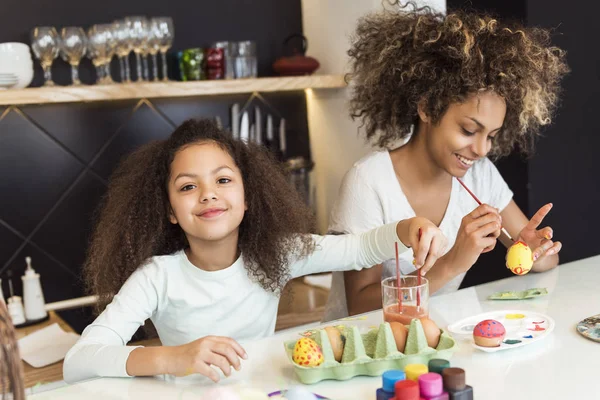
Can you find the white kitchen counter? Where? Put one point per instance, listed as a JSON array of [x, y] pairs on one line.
[[565, 365]]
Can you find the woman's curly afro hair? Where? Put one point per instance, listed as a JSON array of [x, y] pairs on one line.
[[409, 55]]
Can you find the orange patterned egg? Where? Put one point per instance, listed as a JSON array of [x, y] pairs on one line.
[[307, 353]]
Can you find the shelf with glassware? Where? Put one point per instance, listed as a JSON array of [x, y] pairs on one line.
[[148, 90], [223, 68]]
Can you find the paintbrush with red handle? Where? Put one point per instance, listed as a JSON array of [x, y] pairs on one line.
[[398, 279], [419, 281]]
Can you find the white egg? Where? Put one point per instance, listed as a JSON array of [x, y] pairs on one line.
[[299, 393]]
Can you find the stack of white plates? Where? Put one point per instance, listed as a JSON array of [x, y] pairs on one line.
[[16, 65], [8, 80]]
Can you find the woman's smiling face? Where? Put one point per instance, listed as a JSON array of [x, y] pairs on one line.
[[465, 132]]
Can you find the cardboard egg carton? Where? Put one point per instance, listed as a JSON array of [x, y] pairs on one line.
[[372, 353]]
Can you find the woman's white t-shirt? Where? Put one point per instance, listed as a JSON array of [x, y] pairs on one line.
[[370, 196]]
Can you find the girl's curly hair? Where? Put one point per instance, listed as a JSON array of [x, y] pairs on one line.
[[402, 57], [133, 225], [12, 385]]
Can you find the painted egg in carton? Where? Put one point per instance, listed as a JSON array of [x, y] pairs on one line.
[[370, 354]]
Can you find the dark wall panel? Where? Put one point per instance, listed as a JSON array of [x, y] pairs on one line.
[[565, 169], [35, 172]]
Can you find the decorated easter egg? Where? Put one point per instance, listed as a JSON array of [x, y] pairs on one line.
[[489, 333], [307, 353], [519, 258], [337, 342]]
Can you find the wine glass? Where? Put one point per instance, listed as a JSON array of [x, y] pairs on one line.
[[45, 46], [167, 33], [121, 32], [145, 53], [101, 46], [111, 46], [154, 38], [73, 46], [138, 32]]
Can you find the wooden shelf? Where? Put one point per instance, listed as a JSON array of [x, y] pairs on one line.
[[147, 90]]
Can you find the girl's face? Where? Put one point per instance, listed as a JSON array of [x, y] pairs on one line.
[[206, 192], [465, 132]]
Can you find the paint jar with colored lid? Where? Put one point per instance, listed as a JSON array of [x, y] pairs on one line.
[[407, 390], [389, 378], [413, 371], [455, 384], [431, 387], [437, 365]]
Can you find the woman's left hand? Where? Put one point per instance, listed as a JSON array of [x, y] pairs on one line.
[[540, 240]]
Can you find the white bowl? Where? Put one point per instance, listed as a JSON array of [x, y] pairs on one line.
[[14, 52], [16, 62], [9, 64], [14, 47]]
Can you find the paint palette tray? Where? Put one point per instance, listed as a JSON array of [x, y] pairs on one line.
[[371, 353], [522, 328], [590, 328]]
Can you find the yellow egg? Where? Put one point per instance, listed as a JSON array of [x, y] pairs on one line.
[[307, 353], [519, 258]]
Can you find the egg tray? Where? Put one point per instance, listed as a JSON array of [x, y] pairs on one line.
[[372, 353]]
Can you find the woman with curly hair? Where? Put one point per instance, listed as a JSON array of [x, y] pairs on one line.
[[199, 233], [439, 94]]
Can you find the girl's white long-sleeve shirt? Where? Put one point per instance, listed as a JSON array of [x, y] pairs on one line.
[[186, 303]]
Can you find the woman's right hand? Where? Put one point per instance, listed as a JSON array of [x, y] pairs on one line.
[[199, 356], [477, 234]]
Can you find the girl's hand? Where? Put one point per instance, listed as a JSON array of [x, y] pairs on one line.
[[477, 234], [425, 238], [199, 356], [540, 241]]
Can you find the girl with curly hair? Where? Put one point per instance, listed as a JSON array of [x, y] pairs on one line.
[[199, 233], [439, 94]]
